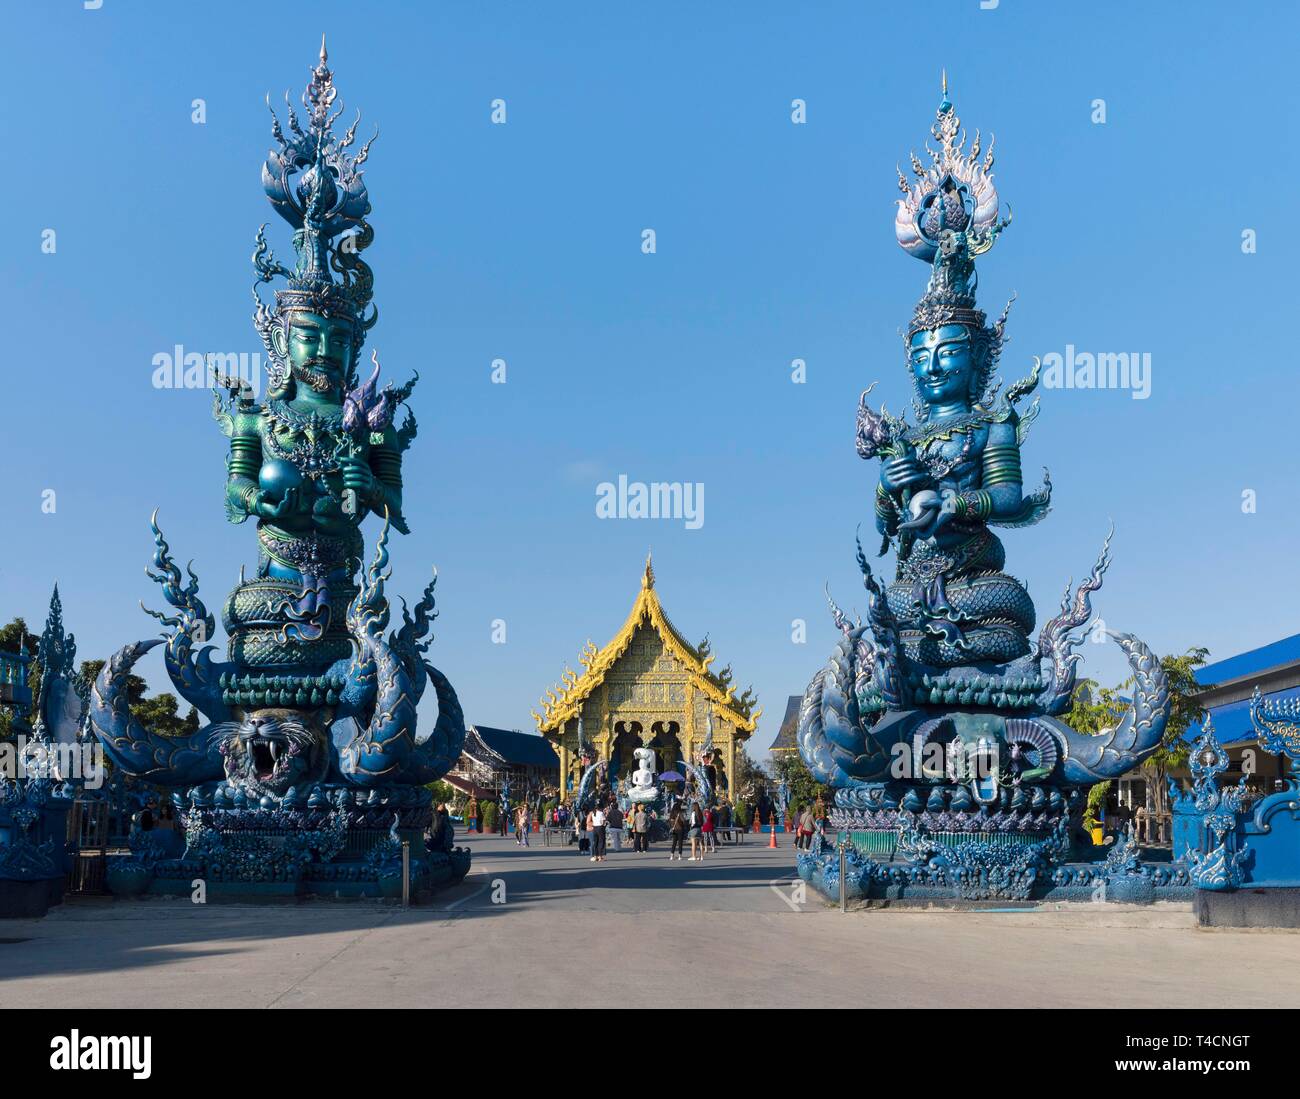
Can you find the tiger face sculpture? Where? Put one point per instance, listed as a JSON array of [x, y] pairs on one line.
[[271, 750]]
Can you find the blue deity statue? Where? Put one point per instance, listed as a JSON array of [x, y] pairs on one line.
[[312, 719], [940, 713], [957, 472], [322, 452]]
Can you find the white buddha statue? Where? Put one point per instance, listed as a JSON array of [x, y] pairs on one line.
[[642, 788]]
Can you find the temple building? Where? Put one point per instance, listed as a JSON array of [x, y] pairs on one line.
[[1226, 688], [649, 687], [492, 758]]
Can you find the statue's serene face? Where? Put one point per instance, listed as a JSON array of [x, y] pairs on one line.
[[942, 363], [319, 350]]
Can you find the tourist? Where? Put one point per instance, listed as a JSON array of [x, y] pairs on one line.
[[641, 829], [724, 820], [710, 828], [677, 831], [596, 821], [503, 819], [523, 824], [694, 829], [143, 820], [807, 825], [614, 823]]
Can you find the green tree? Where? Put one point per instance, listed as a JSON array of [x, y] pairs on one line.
[[1095, 709], [1184, 710], [14, 638], [790, 768], [749, 778], [444, 793]]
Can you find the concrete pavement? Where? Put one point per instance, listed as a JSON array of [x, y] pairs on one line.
[[544, 927]]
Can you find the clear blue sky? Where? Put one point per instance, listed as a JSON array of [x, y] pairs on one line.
[[775, 242]]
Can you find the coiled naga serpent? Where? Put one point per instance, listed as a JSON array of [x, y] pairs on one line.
[[847, 732], [373, 713]]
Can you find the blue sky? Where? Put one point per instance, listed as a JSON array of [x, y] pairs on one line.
[[523, 242]]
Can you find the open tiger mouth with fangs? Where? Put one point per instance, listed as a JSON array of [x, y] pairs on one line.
[[273, 749], [266, 755]]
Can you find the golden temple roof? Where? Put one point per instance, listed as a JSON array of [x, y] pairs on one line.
[[563, 702]]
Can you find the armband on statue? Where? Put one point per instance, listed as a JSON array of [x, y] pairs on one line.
[[973, 505], [1001, 465]]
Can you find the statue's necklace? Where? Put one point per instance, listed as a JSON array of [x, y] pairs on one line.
[[923, 434], [317, 437], [285, 413], [940, 467]]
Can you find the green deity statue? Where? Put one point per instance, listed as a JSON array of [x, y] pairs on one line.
[[321, 453]]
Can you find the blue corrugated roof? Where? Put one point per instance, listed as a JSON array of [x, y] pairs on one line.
[[1267, 656], [1232, 721], [520, 748]]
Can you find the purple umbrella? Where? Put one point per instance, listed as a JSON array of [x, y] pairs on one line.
[[672, 776]]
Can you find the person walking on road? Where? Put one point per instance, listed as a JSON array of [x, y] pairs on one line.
[[807, 826], [616, 825], [694, 829], [641, 829], [709, 828], [596, 824], [523, 825], [677, 831]]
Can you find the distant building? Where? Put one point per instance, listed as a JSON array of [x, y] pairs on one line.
[[1227, 689], [649, 688], [492, 756], [15, 692], [14, 670], [787, 737], [1274, 670]]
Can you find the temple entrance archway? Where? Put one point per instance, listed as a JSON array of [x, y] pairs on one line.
[[627, 737], [667, 745]]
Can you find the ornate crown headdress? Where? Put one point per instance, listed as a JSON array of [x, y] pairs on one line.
[[314, 184], [947, 218]]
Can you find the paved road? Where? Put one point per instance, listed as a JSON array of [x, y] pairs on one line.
[[634, 929]]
